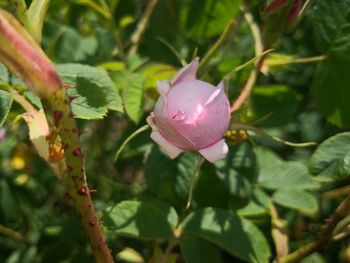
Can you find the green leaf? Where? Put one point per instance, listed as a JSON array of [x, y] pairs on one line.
[[9, 209], [95, 90], [71, 46], [4, 74], [238, 169], [286, 175], [207, 18], [331, 160], [296, 199], [170, 179], [197, 250], [132, 86], [5, 105], [141, 219], [258, 205], [330, 88], [278, 102], [329, 18], [266, 157], [235, 234]]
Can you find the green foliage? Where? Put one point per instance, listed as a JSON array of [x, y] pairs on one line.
[[141, 219], [260, 187], [222, 228], [286, 175], [95, 91], [330, 162], [296, 199], [332, 32], [5, 106]]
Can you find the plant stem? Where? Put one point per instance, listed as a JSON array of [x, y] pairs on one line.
[[141, 27], [279, 234], [259, 48], [58, 105], [216, 47], [300, 61], [171, 245], [326, 236], [133, 135], [194, 182], [8, 232]]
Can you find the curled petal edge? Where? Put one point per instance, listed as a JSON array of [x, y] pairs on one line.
[[215, 152], [171, 150], [186, 73]]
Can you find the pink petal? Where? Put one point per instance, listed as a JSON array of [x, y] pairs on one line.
[[208, 124], [186, 73], [169, 148], [165, 127], [163, 87], [188, 97], [215, 152]]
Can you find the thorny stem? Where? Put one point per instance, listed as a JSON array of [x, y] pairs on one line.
[[194, 182], [141, 27], [326, 236], [58, 106], [247, 89], [216, 47]]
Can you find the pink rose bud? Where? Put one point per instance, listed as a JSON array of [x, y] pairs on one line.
[[191, 115], [275, 6], [22, 55]]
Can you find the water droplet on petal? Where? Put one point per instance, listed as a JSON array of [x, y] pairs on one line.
[[179, 116]]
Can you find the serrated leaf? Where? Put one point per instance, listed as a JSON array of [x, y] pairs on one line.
[[235, 234], [5, 105], [330, 161], [140, 219], [297, 199], [95, 90], [170, 179], [328, 19], [330, 88], [209, 18], [286, 175], [238, 169], [4, 74]]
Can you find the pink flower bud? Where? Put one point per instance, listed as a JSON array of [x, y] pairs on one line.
[[191, 115], [294, 12], [22, 55]]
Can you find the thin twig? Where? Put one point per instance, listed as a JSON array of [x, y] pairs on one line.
[[10, 233], [326, 235], [194, 182], [141, 27], [172, 243], [259, 48], [216, 47]]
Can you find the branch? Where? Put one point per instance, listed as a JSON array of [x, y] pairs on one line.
[[141, 27], [245, 94]]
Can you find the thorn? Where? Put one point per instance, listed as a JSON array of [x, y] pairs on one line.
[[71, 98], [92, 222], [64, 146], [68, 86], [93, 190], [82, 190], [57, 115], [78, 153]]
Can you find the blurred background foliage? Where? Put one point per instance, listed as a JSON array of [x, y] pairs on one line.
[[141, 197]]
